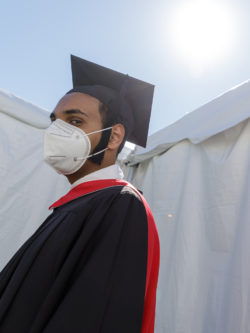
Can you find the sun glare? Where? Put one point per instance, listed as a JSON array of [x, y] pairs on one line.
[[202, 32]]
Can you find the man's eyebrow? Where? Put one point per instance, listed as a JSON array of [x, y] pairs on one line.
[[71, 111]]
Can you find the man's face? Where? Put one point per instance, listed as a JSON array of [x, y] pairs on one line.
[[80, 110]]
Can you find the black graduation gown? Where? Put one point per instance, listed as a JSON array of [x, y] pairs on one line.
[[83, 270]]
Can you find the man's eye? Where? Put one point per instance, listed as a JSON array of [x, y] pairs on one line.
[[75, 122]]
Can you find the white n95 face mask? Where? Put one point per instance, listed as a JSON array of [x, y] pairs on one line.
[[66, 147]]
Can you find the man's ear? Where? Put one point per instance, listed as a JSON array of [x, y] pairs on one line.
[[116, 137]]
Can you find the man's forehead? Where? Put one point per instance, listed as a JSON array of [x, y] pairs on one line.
[[79, 97], [77, 103], [79, 100]]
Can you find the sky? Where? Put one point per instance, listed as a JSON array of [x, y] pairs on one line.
[[191, 54]]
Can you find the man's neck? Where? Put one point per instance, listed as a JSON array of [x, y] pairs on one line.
[[86, 169]]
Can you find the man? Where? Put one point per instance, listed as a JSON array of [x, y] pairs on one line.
[[92, 266]]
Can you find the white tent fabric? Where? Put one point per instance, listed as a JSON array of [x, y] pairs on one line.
[[28, 185], [195, 175], [222, 113]]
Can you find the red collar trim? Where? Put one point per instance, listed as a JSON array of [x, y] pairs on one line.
[[86, 188]]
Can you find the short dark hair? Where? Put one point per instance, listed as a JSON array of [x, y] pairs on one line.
[[109, 118]]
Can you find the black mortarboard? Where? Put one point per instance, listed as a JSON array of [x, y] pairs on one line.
[[128, 96]]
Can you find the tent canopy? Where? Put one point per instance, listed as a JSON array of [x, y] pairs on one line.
[[23, 111], [220, 114]]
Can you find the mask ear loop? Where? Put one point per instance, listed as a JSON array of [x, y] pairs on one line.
[[103, 143], [83, 158], [97, 153], [101, 130]]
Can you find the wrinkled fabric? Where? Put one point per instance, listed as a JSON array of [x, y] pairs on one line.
[[28, 184], [200, 197]]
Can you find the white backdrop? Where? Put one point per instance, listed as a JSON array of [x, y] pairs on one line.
[[28, 185], [197, 183]]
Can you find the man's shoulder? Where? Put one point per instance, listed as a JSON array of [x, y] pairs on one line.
[[130, 191], [123, 190], [124, 194], [109, 194]]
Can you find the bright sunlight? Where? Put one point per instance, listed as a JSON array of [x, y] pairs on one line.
[[202, 32]]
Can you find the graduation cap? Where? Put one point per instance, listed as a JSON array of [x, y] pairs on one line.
[[130, 98]]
